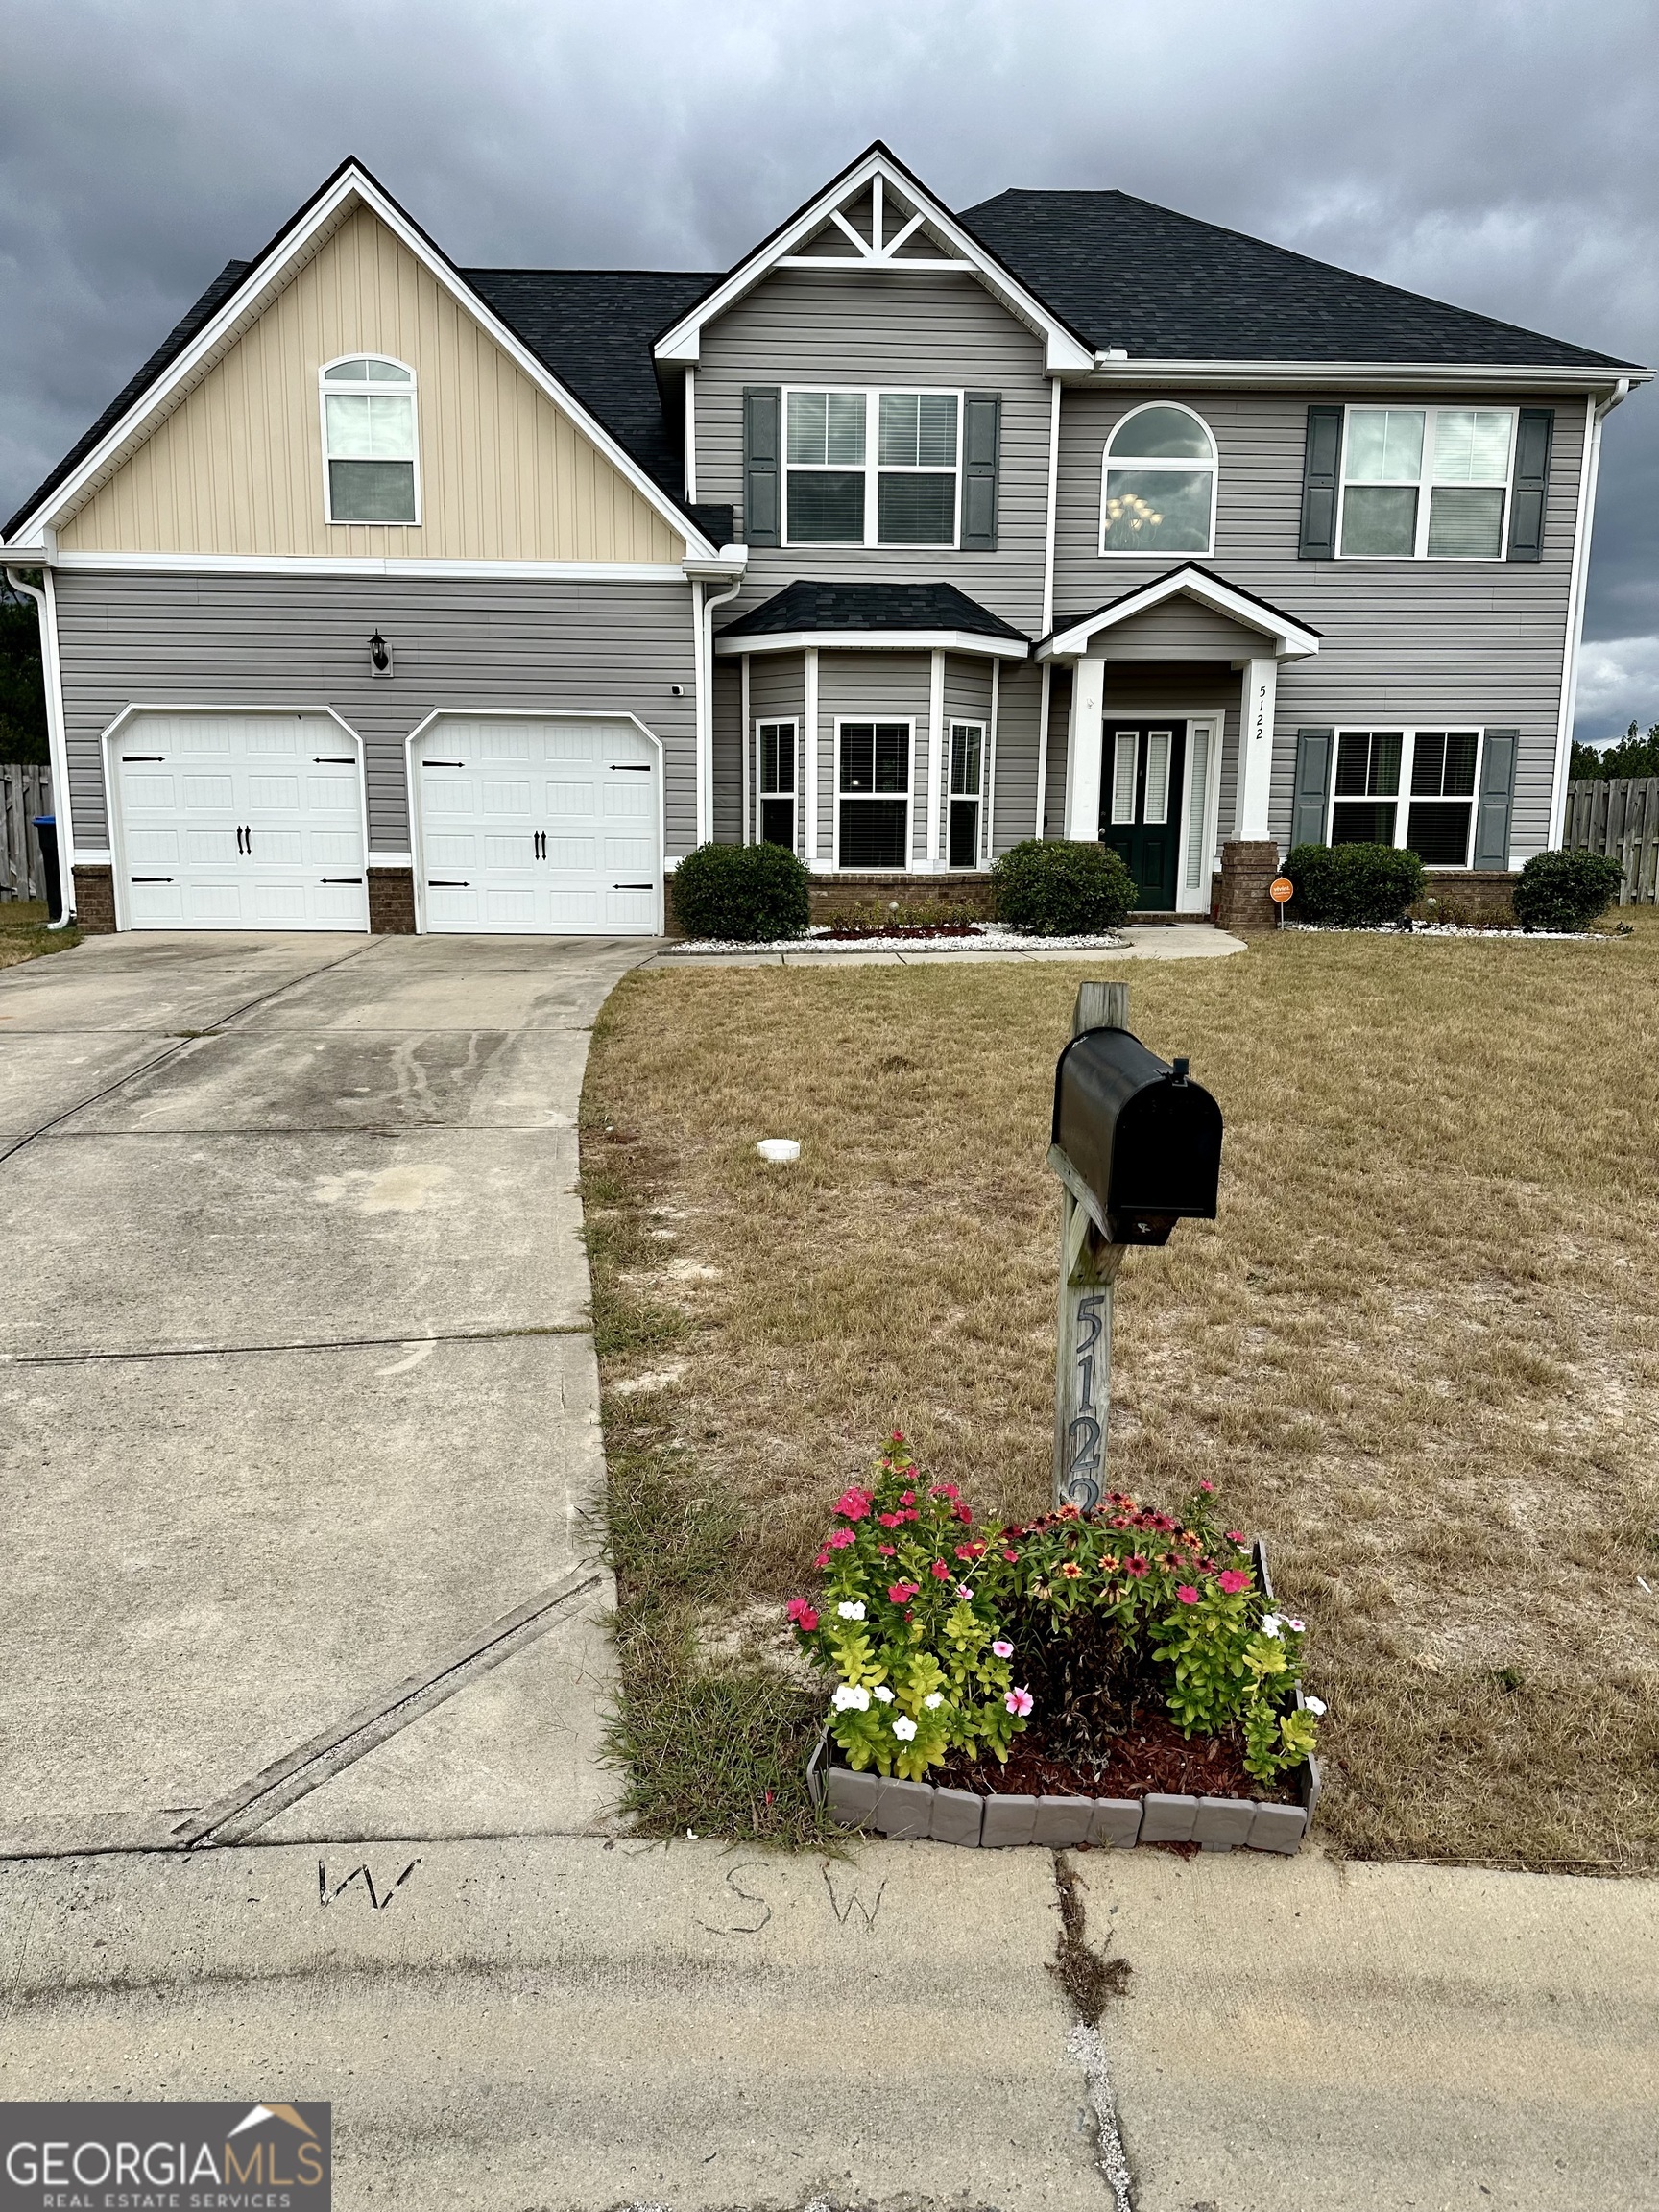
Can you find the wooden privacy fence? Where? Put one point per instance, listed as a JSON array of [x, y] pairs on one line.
[[1620, 818], [24, 792]]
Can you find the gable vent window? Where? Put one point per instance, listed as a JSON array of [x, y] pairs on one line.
[[1425, 483], [872, 467], [1159, 495], [369, 441]]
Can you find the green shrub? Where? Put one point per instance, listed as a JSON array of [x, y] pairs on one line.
[[1056, 888], [745, 894], [1354, 886], [1566, 890]]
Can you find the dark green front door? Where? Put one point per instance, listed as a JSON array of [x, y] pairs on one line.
[[1141, 777]]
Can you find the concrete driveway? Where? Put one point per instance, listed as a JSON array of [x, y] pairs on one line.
[[298, 1391]]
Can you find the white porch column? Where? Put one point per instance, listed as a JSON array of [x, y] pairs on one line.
[[809, 751], [1257, 698], [1083, 749], [936, 747]]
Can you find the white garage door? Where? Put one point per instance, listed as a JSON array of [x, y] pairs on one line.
[[239, 822], [540, 825]]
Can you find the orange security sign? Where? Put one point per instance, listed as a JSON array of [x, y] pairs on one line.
[[1281, 889]]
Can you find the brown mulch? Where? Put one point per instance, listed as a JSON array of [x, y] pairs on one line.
[[1151, 1754], [851, 932]]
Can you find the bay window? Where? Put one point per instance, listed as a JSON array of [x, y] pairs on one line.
[[1425, 483], [872, 467]]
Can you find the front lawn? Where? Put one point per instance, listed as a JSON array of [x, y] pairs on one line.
[[23, 932], [1419, 1350]]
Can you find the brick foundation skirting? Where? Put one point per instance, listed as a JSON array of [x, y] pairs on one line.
[[95, 901], [1468, 895], [392, 901], [849, 898]]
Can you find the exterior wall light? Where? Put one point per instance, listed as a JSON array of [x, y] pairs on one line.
[[380, 655]]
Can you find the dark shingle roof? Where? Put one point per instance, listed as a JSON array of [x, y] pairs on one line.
[[593, 328], [163, 359], [807, 605], [1168, 287]]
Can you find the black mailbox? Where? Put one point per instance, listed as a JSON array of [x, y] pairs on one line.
[[1141, 1139]]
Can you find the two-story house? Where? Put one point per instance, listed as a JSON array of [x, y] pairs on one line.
[[396, 596]]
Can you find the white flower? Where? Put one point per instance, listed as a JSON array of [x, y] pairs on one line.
[[884, 1694], [933, 1700], [903, 1728], [851, 1609], [847, 1699], [1296, 1627], [1271, 1624], [1316, 1706]]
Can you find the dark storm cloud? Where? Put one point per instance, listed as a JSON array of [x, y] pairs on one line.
[[1497, 155]]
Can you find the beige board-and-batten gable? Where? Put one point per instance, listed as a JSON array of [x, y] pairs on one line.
[[236, 469]]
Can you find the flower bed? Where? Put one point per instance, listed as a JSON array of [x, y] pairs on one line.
[[1136, 1633], [880, 937]]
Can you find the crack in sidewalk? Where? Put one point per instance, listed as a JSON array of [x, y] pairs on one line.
[[1091, 1980]]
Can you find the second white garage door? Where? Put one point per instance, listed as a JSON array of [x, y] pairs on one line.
[[542, 825]]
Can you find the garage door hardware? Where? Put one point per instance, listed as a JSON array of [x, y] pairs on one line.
[[633, 886], [152, 878], [143, 756], [448, 883], [442, 763], [334, 759], [630, 767], [339, 879]]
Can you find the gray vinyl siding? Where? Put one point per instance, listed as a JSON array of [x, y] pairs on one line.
[[873, 686], [727, 828], [966, 699], [1013, 797], [850, 329], [776, 693], [1059, 721], [1418, 644], [302, 642], [1183, 630]]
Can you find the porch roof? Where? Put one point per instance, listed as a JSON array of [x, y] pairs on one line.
[[873, 617], [1291, 639]]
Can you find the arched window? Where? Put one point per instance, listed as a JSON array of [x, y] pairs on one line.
[[369, 441], [1159, 495]]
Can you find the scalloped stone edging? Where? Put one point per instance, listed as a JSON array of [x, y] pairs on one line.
[[914, 1811]]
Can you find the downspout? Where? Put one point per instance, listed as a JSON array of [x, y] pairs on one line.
[[57, 744], [1578, 593]]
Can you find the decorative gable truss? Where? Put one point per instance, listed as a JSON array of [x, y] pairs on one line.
[[877, 218]]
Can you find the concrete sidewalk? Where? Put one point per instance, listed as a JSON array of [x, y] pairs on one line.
[[300, 1400], [574, 2025]]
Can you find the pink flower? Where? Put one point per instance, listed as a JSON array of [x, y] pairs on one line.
[[1019, 1701], [909, 1498], [1136, 1565], [1010, 1556], [1235, 1536], [1186, 1594], [1203, 1484], [822, 1560], [967, 1551], [939, 1570], [854, 1503], [962, 1513], [839, 1539], [887, 1552], [1002, 1647], [802, 1615], [901, 1593], [945, 1490], [1233, 1579], [890, 1520]]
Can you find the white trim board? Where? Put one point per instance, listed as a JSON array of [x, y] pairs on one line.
[[1314, 376], [350, 188], [389, 566], [1292, 640], [875, 641], [1064, 350]]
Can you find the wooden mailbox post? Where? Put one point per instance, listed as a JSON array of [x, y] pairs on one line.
[[1088, 1273]]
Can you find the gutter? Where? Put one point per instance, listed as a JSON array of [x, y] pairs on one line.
[[57, 746], [1114, 366]]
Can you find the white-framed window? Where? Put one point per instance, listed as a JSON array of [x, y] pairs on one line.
[[1158, 484], [1410, 787], [870, 468], [370, 473], [873, 793], [774, 750], [1425, 483], [966, 793]]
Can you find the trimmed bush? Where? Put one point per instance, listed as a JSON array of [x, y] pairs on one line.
[[1566, 890], [745, 894], [1051, 887], [1354, 886]]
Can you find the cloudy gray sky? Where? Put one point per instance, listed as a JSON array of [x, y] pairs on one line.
[[1500, 155]]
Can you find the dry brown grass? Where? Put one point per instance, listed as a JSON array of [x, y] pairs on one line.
[[1419, 1350], [23, 932]]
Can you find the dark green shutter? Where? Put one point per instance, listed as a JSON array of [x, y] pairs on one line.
[[981, 452], [1535, 433], [1312, 791], [1322, 465], [763, 451], [1497, 800]]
